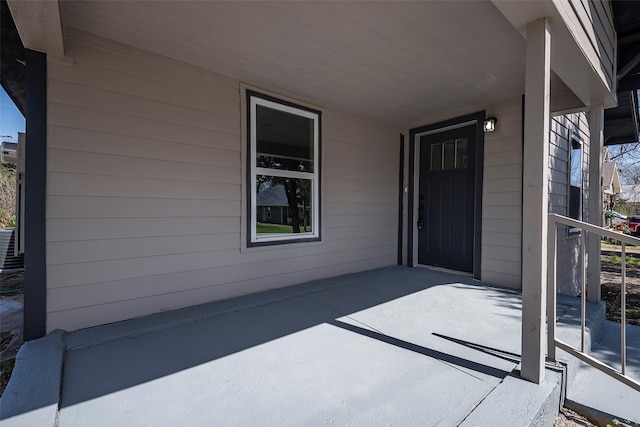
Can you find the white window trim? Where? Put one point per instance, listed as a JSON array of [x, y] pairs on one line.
[[254, 170]]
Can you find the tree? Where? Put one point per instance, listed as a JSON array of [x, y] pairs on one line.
[[621, 205], [627, 157], [296, 190], [7, 195]]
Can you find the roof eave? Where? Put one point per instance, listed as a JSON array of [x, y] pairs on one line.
[[39, 25]]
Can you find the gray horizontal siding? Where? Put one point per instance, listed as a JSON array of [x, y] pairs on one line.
[[144, 191], [568, 249]]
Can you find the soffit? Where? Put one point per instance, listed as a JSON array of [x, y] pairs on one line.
[[622, 124], [397, 62], [626, 16]]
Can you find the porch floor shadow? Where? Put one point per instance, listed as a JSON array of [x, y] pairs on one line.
[[394, 346]]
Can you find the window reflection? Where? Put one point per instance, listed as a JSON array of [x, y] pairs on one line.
[[284, 141], [576, 163], [461, 153], [575, 181], [449, 152], [283, 205]]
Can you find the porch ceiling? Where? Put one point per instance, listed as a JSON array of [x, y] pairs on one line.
[[397, 62]]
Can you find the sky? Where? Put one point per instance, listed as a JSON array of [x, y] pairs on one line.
[[11, 120]]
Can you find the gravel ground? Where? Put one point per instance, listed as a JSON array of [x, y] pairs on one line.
[[11, 299], [610, 280], [569, 418]]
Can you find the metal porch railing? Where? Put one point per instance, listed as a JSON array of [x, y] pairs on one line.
[[553, 342]]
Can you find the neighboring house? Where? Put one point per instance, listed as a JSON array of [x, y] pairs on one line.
[[610, 182], [150, 124], [631, 193], [272, 206]]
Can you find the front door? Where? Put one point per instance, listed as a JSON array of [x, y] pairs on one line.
[[446, 199]]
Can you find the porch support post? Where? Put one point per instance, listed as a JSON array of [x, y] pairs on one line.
[[596, 126], [35, 182], [536, 196]]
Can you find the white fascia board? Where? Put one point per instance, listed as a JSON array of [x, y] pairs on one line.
[[39, 24]]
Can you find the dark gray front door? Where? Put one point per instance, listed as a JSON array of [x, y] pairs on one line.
[[446, 198]]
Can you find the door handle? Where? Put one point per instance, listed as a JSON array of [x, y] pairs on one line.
[[421, 212]]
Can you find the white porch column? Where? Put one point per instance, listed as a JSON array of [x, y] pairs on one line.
[[536, 200], [596, 127]]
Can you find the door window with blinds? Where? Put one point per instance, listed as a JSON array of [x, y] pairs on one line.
[[449, 155], [284, 171]]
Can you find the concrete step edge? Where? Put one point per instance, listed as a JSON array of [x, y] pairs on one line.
[[33, 393]]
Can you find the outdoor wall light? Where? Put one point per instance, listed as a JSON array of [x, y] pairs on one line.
[[490, 124]]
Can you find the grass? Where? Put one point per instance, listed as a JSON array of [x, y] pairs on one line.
[[608, 245], [616, 259], [262, 228], [633, 314]]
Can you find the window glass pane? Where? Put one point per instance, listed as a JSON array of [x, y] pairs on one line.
[[449, 152], [283, 205], [574, 202], [575, 181], [283, 140], [436, 157], [576, 163], [461, 153]]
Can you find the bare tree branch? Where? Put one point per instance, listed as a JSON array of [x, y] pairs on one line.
[[624, 150]]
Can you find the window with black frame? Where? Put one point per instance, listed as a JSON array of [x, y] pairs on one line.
[[284, 171]]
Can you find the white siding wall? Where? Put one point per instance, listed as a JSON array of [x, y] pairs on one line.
[[568, 252], [502, 197], [144, 187]]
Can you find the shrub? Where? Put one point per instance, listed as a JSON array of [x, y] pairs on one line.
[[7, 195]]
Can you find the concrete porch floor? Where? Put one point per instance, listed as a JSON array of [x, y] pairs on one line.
[[393, 346]]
